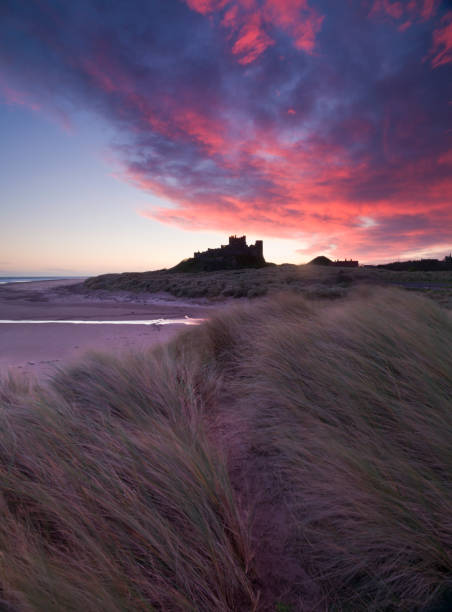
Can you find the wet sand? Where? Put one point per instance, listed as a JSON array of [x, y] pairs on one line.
[[39, 349]]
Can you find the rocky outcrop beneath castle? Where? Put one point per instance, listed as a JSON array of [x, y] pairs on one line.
[[234, 255]]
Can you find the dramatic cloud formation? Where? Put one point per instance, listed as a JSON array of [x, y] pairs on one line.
[[247, 21], [311, 119]]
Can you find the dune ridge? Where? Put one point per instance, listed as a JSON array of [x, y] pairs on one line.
[[285, 455]]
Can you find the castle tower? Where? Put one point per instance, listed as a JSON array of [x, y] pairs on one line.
[[259, 248]]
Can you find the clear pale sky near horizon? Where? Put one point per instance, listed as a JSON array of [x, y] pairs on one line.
[[132, 134]]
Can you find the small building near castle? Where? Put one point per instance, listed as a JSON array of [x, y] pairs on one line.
[[346, 263]]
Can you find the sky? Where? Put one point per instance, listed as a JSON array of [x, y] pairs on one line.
[[134, 133]]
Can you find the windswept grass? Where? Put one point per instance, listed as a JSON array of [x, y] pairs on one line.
[[113, 499], [286, 455]]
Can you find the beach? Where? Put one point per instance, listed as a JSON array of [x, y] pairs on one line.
[[41, 348]]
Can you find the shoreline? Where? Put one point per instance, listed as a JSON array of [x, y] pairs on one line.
[[46, 325]]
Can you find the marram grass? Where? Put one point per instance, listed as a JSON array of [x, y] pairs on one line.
[[285, 455]]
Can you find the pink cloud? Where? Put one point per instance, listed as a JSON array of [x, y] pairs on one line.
[[20, 97], [442, 42], [206, 6], [201, 129], [230, 18], [16, 97], [297, 19], [410, 12], [393, 9], [252, 40], [405, 26], [429, 8]]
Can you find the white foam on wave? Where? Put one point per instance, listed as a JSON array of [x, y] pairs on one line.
[[185, 321]]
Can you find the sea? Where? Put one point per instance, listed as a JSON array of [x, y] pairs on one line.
[[29, 279]]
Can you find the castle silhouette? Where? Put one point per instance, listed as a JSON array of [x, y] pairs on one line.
[[234, 254]]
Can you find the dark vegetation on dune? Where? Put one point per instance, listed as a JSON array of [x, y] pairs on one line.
[[312, 281], [286, 455], [247, 282]]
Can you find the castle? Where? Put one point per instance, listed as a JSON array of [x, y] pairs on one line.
[[235, 254]]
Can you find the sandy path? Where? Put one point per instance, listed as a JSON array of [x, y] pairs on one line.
[[40, 348]]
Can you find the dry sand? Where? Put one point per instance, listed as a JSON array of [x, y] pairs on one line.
[[39, 349]]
